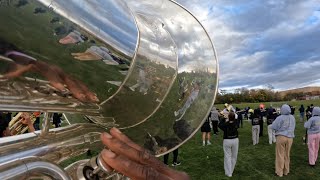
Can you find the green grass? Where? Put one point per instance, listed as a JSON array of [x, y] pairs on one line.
[[254, 162]]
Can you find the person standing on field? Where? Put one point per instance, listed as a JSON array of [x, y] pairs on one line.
[[301, 111], [308, 112], [229, 126], [271, 116], [240, 117], [206, 130], [284, 126], [262, 114], [215, 120], [255, 121], [313, 126]]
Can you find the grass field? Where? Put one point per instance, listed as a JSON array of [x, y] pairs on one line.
[[254, 162]]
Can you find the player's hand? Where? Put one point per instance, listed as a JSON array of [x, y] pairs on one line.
[[133, 161], [54, 74]]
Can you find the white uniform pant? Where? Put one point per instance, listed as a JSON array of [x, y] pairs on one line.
[[271, 135], [255, 134], [230, 148]]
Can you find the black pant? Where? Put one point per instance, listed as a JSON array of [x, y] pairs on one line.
[[215, 127], [261, 128], [57, 125], [240, 121], [246, 116], [175, 157], [36, 124]]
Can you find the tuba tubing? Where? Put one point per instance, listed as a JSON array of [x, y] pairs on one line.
[[28, 166], [58, 144]]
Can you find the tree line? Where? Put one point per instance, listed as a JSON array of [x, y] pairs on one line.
[[255, 95]]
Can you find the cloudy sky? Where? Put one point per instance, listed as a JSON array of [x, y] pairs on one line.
[[274, 42]]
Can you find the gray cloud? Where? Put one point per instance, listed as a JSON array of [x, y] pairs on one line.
[[263, 42]]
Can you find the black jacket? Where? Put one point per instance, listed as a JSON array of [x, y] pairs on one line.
[[230, 129], [271, 116], [255, 121], [255, 117]]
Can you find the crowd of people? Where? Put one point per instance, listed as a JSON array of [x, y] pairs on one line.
[[281, 125]]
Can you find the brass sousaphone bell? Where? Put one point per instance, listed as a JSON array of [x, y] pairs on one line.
[[146, 67]]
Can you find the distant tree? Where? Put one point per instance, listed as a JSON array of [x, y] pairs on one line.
[[277, 97], [39, 10], [223, 91], [21, 3], [261, 96], [253, 96], [61, 30], [55, 19]]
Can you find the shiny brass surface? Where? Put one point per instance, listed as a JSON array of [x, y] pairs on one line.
[[146, 67], [28, 166]]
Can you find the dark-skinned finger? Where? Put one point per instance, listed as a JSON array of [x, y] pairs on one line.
[[76, 91], [73, 86], [140, 156], [91, 97], [58, 78], [76, 87], [49, 73], [130, 168], [116, 133], [103, 165], [121, 148], [18, 71], [56, 82]]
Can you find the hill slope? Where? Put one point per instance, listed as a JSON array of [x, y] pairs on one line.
[[312, 90]]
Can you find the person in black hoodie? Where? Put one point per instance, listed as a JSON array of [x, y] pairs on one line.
[[229, 126], [308, 112], [262, 114], [57, 119], [240, 117], [255, 121], [301, 111], [271, 116], [293, 109], [215, 120]]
